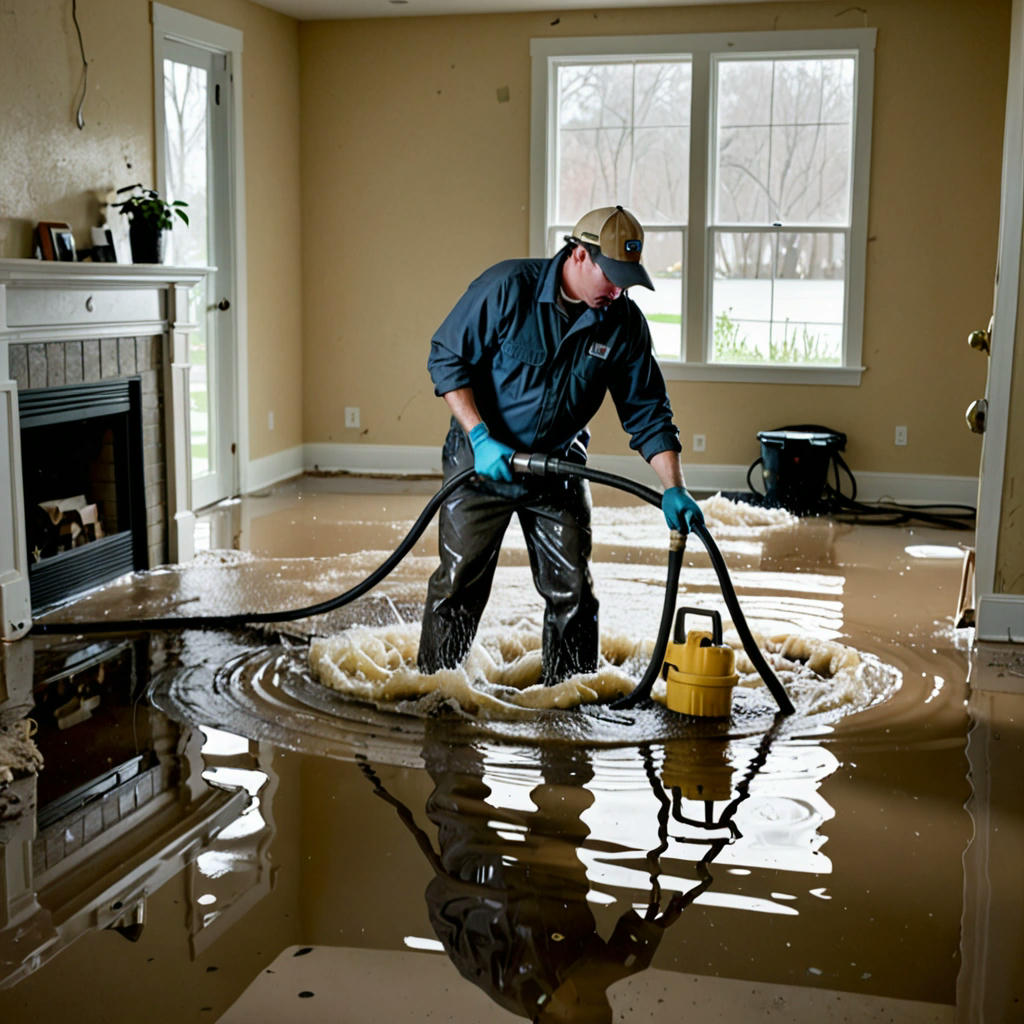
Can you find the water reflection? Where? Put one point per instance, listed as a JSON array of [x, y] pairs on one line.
[[124, 800], [535, 863], [872, 924]]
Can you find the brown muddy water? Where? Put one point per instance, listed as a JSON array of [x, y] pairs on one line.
[[216, 834]]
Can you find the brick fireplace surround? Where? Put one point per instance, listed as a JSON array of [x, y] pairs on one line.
[[77, 323]]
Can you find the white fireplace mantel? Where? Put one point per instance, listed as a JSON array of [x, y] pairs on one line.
[[44, 301]]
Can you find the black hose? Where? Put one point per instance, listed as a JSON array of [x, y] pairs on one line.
[[542, 464], [642, 690], [288, 615], [535, 464]]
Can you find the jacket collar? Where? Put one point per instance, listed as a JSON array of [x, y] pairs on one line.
[[547, 286]]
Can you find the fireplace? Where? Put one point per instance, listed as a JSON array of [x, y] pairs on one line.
[[84, 486], [76, 340]]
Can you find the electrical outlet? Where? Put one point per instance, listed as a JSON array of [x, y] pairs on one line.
[[352, 416], [270, 420], [899, 436], [700, 442]]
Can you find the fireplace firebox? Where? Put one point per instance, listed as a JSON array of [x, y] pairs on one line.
[[83, 483]]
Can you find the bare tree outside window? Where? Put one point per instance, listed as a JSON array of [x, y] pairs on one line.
[[185, 121], [186, 139], [783, 153], [747, 159], [624, 138], [779, 192]]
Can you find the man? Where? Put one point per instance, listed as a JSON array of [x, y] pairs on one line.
[[524, 361]]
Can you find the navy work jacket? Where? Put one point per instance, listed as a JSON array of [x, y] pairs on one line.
[[538, 376]]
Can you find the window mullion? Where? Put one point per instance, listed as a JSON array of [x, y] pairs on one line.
[[632, 133]]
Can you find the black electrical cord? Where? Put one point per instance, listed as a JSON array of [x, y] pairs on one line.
[[887, 513], [539, 465], [955, 517], [79, 119]]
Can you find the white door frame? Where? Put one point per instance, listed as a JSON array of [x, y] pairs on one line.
[[1001, 616], [170, 23]]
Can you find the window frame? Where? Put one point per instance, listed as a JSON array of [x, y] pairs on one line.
[[701, 50]]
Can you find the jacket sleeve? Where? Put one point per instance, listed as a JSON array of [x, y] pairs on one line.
[[468, 334], [639, 393]]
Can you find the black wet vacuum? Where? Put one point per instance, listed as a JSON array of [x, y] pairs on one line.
[[794, 466], [803, 472], [539, 465]]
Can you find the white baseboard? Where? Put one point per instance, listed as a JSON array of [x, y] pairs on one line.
[[272, 469], [917, 488], [374, 458], [1000, 617], [913, 488]]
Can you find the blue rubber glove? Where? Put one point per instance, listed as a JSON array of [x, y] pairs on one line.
[[681, 511], [490, 457]]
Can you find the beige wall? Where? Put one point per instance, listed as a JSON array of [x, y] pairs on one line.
[[411, 177], [50, 170], [415, 178]]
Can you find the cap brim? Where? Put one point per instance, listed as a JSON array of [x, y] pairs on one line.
[[623, 273]]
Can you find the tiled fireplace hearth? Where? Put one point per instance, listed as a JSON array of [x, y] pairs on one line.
[[71, 333]]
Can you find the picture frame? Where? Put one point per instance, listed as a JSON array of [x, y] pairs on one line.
[[64, 245], [56, 242], [103, 250]]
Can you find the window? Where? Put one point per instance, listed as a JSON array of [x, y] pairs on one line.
[[745, 160]]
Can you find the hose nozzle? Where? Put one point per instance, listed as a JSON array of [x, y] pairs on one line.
[[536, 465]]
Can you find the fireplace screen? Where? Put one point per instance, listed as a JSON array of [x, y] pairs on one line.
[[82, 470]]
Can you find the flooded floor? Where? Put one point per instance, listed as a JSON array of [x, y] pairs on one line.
[[215, 835]]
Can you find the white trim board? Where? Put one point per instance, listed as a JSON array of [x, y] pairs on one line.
[[401, 460], [273, 469], [391, 459], [190, 28], [1000, 617], [173, 24], [1006, 328]]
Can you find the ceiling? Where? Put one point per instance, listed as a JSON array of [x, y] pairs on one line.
[[320, 10]]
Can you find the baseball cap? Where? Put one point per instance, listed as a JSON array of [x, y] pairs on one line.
[[619, 238]]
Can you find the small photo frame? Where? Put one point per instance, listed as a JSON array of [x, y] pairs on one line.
[[103, 250], [64, 245], [56, 241]]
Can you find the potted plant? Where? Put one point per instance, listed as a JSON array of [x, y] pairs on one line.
[[149, 216]]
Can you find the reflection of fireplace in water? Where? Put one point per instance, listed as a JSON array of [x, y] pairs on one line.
[[121, 805], [104, 755], [81, 450]]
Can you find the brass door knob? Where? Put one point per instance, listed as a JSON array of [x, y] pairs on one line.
[[979, 340], [975, 415]]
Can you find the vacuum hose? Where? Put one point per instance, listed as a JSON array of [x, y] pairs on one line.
[[538, 465], [543, 464]]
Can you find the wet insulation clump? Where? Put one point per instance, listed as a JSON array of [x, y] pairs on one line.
[[19, 759], [500, 678]]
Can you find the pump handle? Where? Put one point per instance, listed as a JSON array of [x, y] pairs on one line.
[[679, 635]]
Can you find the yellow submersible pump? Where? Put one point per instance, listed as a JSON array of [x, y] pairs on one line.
[[699, 670]]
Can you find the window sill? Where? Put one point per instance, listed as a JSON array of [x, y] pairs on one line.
[[840, 376]]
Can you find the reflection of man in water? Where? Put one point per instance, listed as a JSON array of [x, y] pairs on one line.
[[513, 915]]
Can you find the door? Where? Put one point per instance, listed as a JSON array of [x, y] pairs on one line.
[[196, 85], [998, 616]]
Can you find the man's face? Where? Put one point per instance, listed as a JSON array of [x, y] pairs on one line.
[[588, 282]]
